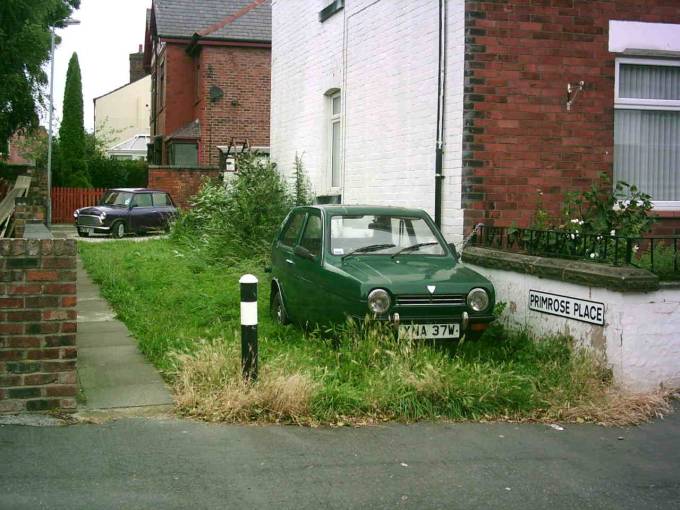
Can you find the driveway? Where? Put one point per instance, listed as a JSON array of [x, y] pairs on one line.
[[67, 231], [171, 463]]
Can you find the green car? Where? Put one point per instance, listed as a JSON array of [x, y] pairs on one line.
[[330, 262]]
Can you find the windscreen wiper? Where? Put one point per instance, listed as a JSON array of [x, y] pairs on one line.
[[414, 247], [369, 248]]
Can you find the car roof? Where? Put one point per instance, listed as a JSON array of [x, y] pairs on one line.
[[137, 190], [334, 209]]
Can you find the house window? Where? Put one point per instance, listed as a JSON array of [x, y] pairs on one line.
[[335, 134], [161, 86], [330, 9], [647, 128], [183, 154]]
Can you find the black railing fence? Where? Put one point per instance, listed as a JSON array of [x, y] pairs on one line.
[[658, 254]]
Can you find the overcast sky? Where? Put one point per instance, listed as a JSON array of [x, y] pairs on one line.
[[108, 32]]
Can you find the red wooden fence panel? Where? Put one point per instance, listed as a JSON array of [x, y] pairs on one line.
[[67, 200]]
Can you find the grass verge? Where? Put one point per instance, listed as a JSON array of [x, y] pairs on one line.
[[185, 314]]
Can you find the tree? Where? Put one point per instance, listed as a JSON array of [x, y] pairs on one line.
[[24, 49], [72, 132]]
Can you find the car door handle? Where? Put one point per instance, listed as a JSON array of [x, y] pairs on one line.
[[290, 261]]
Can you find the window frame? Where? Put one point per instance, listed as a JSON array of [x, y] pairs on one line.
[[334, 119], [629, 103], [134, 205], [301, 236], [288, 224]]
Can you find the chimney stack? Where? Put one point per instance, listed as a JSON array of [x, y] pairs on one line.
[[137, 65]]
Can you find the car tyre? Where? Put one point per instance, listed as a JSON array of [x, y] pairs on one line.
[[277, 310], [83, 234], [118, 230]]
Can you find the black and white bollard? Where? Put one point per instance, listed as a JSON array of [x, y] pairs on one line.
[[249, 326]]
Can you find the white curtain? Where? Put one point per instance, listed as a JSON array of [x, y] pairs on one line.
[[647, 142]]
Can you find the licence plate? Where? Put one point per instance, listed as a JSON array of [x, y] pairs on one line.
[[416, 331], [87, 230]]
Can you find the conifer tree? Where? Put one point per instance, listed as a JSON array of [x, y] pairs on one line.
[[73, 169]]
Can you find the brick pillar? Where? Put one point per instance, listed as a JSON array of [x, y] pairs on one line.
[[37, 325]]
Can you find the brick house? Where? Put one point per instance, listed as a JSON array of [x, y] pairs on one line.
[[462, 107], [210, 73]]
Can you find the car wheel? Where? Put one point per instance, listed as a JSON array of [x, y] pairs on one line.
[[118, 230], [278, 312], [83, 234]]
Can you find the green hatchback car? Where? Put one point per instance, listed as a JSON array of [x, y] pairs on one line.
[[330, 262]]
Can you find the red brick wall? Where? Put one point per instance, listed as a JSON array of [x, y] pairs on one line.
[[37, 325], [518, 136], [244, 75], [181, 183], [177, 108]]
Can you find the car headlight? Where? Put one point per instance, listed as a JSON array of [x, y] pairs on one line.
[[75, 213], [102, 216], [379, 301], [478, 300]]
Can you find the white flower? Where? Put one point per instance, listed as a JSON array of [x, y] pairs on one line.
[[612, 233], [575, 220], [573, 236], [636, 248], [593, 255], [581, 222], [599, 238]]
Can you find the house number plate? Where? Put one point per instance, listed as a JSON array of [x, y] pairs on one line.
[[417, 331]]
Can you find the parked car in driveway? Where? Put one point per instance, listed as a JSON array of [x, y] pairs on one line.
[[330, 262], [124, 211]]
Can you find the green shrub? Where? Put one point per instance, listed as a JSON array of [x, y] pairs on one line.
[[115, 173], [239, 219]]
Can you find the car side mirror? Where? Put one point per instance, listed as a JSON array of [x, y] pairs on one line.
[[303, 252], [452, 246]]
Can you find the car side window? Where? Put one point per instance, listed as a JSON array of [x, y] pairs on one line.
[[161, 199], [142, 200], [292, 230], [311, 238]]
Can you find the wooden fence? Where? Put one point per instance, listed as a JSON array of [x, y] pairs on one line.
[[67, 200]]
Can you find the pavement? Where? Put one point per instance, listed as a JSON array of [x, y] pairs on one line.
[[171, 463], [113, 373]]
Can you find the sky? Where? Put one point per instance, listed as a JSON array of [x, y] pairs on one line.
[[108, 32]]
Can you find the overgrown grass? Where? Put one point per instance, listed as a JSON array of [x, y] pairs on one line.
[[185, 314]]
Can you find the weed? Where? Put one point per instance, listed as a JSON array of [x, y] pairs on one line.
[[185, 315]]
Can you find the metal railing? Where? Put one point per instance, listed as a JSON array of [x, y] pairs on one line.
[[658, 254]]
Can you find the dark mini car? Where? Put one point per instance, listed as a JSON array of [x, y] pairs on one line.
[[330, 262], [124, 211]]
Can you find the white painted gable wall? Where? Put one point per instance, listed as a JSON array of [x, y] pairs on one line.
[[382, 55]]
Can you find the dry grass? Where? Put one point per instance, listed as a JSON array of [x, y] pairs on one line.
[[209, 385], [619, 408]]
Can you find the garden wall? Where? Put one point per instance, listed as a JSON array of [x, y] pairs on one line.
[[639, 318], [181, 183], [37, 325]]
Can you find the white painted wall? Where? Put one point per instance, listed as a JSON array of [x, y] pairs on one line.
[[640, 338], [382, 55], [123, 113]]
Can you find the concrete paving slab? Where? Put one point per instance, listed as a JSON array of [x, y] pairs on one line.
[[112, 371], [104, 339], [112, 326]]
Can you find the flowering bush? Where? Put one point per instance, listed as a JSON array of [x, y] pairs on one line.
[[621, 210]]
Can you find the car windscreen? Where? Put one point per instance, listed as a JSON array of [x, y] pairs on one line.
[[116, 198], [383, 235]]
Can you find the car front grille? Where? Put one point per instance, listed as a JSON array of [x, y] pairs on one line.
[[89, 221], [431, 300]]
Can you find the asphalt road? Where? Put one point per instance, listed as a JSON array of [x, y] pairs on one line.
[[141, 463]]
